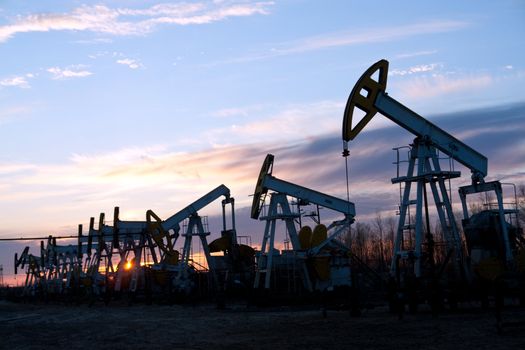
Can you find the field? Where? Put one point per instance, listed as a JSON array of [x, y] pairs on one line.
[[118, 326]]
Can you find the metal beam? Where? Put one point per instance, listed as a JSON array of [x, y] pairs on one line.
[[421, 127], [194, 207], [309, 195]]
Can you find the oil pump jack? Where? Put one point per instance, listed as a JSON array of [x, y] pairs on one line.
[[35, 274], [369, 96], [55, 271], [165, 234], [322, 261]]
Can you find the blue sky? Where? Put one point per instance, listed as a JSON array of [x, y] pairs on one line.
[[148, 104]]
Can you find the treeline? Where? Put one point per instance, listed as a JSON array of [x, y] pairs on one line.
[[373, 242]]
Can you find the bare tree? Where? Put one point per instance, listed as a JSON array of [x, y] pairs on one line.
[[346, 238], [391, 228], [380, 228], [359, 242], [521, 204]]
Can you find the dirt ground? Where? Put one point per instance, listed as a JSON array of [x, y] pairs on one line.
[[57, 326]]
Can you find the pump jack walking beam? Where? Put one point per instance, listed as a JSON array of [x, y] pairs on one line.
[[370, 97]]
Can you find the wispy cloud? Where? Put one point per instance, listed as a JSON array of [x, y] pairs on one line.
[[292, 122], [127, 21], [422, 68], [351, 38], [20, 81], [94, 41], [237, 111], [119, 157], [373, 36], [160, 178], [100, 54], [439, 84], [14, 168], [8, 114], [130, 175], [415, 54], [131, 63], [74, 71]]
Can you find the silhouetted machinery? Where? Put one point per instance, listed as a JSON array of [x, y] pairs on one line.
[[490, 252], [140, 256], [56, 271], [232, 267], [317, 259], [35, 274], [493, 247]]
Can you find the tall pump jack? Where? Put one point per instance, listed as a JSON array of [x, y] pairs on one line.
[[369, 96], [307, 245], [165, 234]]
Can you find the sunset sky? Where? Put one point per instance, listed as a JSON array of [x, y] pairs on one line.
[[149, 105]]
